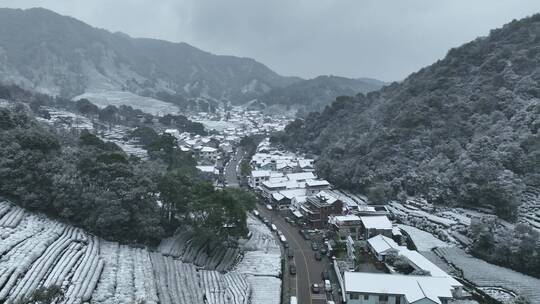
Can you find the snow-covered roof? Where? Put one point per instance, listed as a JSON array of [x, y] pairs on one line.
[[171, 131], [285, 164], [366, 208], [342, 219], [208, 169], [300, 199], [305, 163], [328, 197], [292, 193], [317, 183], [260, 173], [277, 196], [376, 222], [381, 243], [414, 288], [208, 149], [301, 176]]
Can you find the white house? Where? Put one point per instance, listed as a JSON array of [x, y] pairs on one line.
[[314, 186], [209, 153], [373, 225], [378, 288], [381, 245]]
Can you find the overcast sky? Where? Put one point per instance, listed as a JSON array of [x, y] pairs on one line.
[[384, 39]]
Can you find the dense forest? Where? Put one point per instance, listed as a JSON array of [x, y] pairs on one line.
[[314, 94], [93, 184], [463, 131]]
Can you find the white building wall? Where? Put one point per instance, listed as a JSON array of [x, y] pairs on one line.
[[375, 299]]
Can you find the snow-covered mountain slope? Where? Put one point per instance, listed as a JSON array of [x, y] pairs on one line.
[[59, 55]]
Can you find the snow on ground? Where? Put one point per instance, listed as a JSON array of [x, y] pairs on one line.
[[118, 98], [218, 125], [484, 274], [261, 263], [40, 252], [265, 290], [424, 241], [67, 119]]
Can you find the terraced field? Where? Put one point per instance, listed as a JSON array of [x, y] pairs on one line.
[[37, 252], [483, 274]]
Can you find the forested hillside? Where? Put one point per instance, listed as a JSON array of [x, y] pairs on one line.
[[82, 180], [314, 94], [463, 131], [60, 55]]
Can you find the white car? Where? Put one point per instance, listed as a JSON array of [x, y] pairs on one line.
[[327, 285], [274, 228], [256, 212], [269, 207], [282, 238]]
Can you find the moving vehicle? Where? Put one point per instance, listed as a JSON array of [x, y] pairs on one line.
[[292, 269], [318, 256], [327, 285], [315, 288], [269, 207]]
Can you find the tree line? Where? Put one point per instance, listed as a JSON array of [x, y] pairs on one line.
[[93, 184]]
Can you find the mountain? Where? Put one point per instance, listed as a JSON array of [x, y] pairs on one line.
[[314, 94], [59, 55], [463, 131]]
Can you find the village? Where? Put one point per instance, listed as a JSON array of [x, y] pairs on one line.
[[336, 246], [409, 252]]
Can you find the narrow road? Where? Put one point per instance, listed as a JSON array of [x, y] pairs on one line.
[[308, 270], [231, 169]]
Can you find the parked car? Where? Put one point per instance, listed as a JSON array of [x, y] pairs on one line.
[[256, 212], [269, 207], [290, 253], [318, 256], [266, 221], [294, 300], [282, 238], [314, 246], [274, 228], [324, 251], [305, 234], [292, 269], [325, 275], [315, 288], [286, 244], [327, 285]]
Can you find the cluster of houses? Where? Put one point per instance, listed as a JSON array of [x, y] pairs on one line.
[[209, 150], [288, 182], [241, 122]]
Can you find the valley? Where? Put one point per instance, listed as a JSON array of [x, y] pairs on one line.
[[143, 171]]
